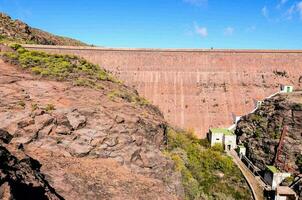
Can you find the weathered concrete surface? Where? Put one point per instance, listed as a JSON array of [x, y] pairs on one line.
[[198, 89]]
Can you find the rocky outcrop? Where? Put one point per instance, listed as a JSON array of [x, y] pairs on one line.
[[104, 148], [21, 32], [20, 176], [262, 130]]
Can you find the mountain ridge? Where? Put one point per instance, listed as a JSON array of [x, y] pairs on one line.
[[18, 31]]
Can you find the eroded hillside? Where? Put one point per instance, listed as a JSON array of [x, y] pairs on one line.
[[18, 31], [83, 136]]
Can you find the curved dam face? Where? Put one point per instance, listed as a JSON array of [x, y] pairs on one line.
[[197, 89]]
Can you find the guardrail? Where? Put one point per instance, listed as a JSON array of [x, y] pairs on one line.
[[255, 171]]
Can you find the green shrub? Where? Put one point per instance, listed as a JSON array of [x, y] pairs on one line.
[[49, 107], [297, 107], [258, 119], [299, 162], [21, 103], [205, 143], [34, 106], [128, 96], [10, 56], [84, 82], [59, 67], [258, 132], [217, 147], [15, 46], [200, 168]]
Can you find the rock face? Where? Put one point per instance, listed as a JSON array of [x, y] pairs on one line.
[[198, 89], [262, 130], [104, 149], [20, 176], [21, 32]]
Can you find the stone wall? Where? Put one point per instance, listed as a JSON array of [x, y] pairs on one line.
[[197, 89]]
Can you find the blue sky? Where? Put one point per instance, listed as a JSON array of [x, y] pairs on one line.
[[257, 24]]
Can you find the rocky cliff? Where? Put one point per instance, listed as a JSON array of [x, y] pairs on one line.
[[16, 30], [261, 132], [20, 176]]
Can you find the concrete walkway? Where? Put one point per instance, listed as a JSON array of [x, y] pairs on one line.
[[253, 182]]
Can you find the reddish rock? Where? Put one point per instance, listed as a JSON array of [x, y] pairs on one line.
[[76, 120], [84, 150]]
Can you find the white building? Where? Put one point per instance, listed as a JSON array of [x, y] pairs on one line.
[[285, 193], [274, 177], [222, 136], [286, 88], [241, 150], [236, 119], [215, 136], [229, 141], [258, 103]]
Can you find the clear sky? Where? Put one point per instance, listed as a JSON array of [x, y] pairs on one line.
[[258, 24]]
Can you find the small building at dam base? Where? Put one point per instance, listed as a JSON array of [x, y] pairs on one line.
[[222, 136]]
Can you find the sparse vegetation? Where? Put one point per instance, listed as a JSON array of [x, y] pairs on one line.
[[130, 97], [69, 68], [280, 73], [49, 107], [21, 103], [297, 107], [34, 106], [59, 67], [206, 172], [6, 40], [299, 162]]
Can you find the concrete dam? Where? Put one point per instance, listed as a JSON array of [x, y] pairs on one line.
[[197, 89]]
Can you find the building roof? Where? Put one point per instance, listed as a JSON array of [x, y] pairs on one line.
[[284, 190], [222, 130], [273, 169]]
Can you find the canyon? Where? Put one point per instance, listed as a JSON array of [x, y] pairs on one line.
[[197, 89]]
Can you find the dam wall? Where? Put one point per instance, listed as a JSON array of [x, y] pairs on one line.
[[195, 88]]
